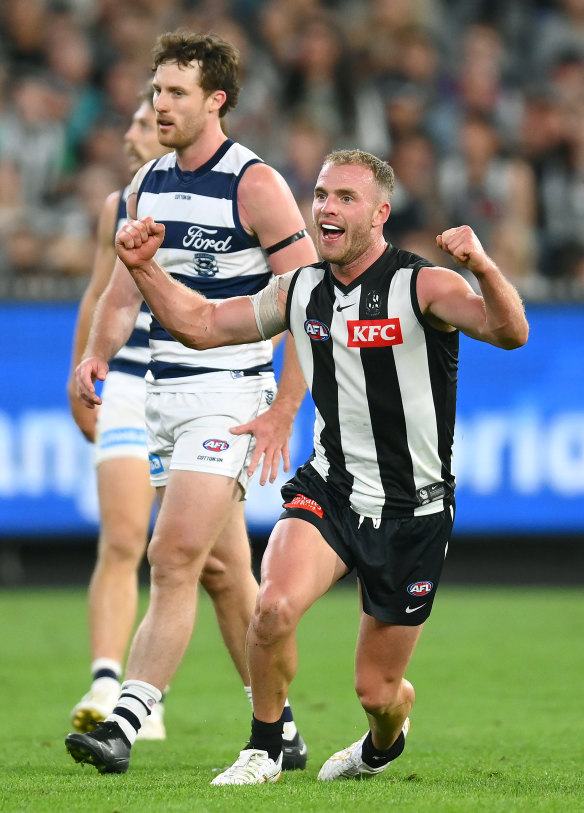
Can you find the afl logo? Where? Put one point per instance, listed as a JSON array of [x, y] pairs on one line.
[[420, 588], [214, 445], [316, 330]]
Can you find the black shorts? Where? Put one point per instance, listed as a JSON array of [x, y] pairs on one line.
[[398, 561]]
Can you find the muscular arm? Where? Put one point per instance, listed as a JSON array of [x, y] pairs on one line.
[[267, 208], [191, 318], [496, 316], [103, 265], [113, 321], [115, 316], [104, 260], [188, 316]]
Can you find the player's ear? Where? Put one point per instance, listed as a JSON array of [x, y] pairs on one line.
[[381, 213], [216, 100]]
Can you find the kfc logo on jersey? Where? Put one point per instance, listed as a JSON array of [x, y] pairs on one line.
[[374, 332], [215, 445], [317, 331]]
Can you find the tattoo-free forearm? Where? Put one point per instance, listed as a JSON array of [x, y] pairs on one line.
[[111, 328], [193, 320], [291, 384], [504, 312]]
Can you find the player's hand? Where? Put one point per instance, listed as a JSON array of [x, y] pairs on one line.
[[272, 430], [86, 374], [85, 419], [138, 241], [463, 244]]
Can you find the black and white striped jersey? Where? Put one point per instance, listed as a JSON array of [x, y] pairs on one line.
[[383, 382]]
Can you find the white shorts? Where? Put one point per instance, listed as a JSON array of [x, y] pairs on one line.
[[190, 431], [121, 425]]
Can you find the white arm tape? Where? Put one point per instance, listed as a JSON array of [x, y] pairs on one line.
[[268, 318]]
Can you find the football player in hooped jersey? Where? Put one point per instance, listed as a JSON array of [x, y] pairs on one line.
[[232, 223], [121, 457], [376, 331], [125, 494]]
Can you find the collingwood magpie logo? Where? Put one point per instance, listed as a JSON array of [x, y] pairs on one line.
[[205, 265], [373, 303]]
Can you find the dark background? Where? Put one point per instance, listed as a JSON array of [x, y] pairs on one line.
[[515, 560]]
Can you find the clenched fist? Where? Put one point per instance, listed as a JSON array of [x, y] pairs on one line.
[[138, 241], [463, 244]]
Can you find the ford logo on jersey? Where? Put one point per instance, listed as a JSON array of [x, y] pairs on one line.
[[215, 445], [420, 588], [316, 330]]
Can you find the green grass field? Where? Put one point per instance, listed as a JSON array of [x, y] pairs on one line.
[[498, 724]]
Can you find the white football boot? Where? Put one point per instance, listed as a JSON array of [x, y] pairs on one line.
[[95, 706], [252, 767], [153, 726], [348, 763]]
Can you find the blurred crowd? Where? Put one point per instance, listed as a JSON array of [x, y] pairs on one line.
[[477, 104]]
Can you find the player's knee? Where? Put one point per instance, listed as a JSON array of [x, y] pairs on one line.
[[215, 578], [124, 547], [219, 577], [274, 618], [174, 564]]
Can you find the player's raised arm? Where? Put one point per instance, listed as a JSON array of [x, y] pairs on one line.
[[188, 316], [496, 316]]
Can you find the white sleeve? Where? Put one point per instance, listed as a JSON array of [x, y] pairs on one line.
[[269, 320]]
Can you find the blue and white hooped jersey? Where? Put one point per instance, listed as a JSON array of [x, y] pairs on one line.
[[206, 248], [134, 357]]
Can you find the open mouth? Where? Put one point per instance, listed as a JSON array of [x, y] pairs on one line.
[[330, 233]]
